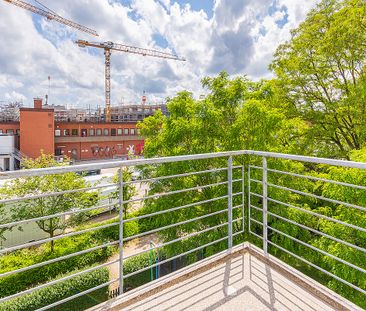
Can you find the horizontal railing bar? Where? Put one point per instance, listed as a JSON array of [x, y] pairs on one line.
[[256, 194], [174, 209], [341, 183], [256, 167], [78, 295], [117, 164], [237, 233], [20, 222], [137, 162], [237, 207], [175, 192], [256, 221], [236, 194], [50, 194], [256, 180], [13, 248], [318, 232], [173, 225], [318, 197], [176, 240], [256, 208], [318, 250], [319, 215], [319, 268], [257, 235], [138, 181], [30, 290], [174, 257], [44, 263]]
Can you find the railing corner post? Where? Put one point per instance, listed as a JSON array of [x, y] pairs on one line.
[[265, 206], [230, 201], [120, 203]]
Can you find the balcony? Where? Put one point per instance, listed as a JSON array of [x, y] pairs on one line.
[[242, 230]]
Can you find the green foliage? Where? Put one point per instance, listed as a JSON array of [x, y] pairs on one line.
[[128, 189], [61, 290], [24, 258], [134, 264], [321, 72], [44, 206]]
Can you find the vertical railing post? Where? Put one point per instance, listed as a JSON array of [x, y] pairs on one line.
[[249, 203], [120, 201], [243, 197], [265, 206], [230, 201]]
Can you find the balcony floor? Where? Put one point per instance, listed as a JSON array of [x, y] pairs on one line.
[[242, 280], [241, 283]]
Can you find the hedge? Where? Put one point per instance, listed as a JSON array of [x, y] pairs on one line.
[[133, 264], [20, 281], [50, 294]]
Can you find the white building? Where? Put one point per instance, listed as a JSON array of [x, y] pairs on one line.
[[8, 152]]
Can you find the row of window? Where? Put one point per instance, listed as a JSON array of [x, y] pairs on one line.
[[9, 131], [97, 132]]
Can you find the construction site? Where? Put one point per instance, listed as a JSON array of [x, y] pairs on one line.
[[97, 132]]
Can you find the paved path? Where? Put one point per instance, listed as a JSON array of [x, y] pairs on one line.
[[131, 247]]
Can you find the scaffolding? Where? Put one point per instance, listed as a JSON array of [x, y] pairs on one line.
[[9, 112]]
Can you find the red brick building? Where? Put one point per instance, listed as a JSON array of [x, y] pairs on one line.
[[38, 131]]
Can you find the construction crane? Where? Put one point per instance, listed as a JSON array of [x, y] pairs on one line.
[[51, 15], [108, 47]]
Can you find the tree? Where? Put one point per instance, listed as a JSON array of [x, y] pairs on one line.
[[53, 204], [321, 70], [236, 114]]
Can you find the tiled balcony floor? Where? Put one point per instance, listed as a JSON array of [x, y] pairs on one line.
[[240, 280], [242, 283]]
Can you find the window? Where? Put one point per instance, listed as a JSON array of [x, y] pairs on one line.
[[84, 133], [10, 131], [106, 132], [126, 132], [74, 132], [132, 131], [113, 132], [119, 132], [99, 132], [1, 131], [139, 132], [91, 132], [18, 131], [57, 133]]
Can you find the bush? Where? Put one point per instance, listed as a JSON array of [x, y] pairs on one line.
[[134, 264], [20, 281], [48, 295]]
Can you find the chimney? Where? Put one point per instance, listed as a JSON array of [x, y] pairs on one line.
[[37, 103]]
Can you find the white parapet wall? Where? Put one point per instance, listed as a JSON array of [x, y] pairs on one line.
[[7, 148]]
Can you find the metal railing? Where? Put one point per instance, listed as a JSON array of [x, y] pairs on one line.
[[238, 183]]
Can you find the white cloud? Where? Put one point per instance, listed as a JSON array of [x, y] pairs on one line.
[[240, 38]]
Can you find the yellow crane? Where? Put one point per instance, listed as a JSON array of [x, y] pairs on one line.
[[50, 15], [108, 47]]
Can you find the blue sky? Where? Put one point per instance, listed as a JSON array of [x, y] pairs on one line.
[[239, 36]]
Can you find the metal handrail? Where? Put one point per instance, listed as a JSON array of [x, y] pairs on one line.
[[150, 161], [222, 225]]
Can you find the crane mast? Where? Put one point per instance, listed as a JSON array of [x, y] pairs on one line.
[[108, 47], [51, 16]]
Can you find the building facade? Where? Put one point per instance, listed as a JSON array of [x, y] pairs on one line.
[[37, 131]]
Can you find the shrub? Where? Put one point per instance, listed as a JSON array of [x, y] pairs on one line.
[[134, 264], [48, 295], [26, 257]]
